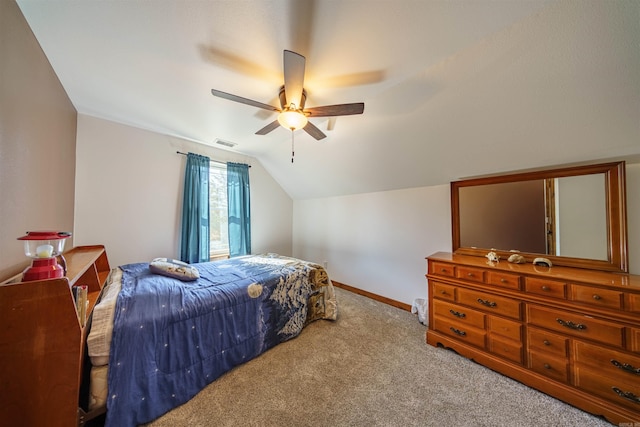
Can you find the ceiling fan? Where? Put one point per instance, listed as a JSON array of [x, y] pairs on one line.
[[292, 97]]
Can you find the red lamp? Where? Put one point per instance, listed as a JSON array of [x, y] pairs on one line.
[[44, 248]]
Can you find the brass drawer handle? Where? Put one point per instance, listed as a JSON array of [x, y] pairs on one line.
[[547, 366], [458, 314], [458, 331], [569, 324], [546, 342], [486, 302], [470, 274], [626, 395], [545, 288], [597, 297], [625, 367], [503, 280]]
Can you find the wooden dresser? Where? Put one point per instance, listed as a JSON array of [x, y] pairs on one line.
[[569, 332]]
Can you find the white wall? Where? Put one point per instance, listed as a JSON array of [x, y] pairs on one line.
[[376, 241], [37, 142], [129, 189], [129, 193]]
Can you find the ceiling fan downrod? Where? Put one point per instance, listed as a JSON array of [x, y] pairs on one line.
[[292, 151]]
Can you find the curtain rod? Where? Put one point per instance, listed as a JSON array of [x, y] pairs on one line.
[[210, 159]]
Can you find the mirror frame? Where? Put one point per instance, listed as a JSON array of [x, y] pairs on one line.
[[615, 193]]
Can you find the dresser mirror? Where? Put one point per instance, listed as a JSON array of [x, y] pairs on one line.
[[573, 216]]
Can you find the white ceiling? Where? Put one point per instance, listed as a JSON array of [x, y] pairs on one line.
[[451, 88]]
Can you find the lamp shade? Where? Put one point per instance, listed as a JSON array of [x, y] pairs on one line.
[[44, 244], [292, 119]]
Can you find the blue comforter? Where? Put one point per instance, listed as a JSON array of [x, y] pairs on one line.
[[172, 338]]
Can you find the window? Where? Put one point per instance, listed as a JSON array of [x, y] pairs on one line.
[[219, 232]]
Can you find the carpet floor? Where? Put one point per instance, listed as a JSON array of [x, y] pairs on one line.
[[370, 367]]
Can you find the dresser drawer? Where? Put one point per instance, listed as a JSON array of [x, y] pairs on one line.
[[617, 390], [608, 362], [443, 269], [463, 333], [547, 288], [505, 280], [597, 296], [633, 302], [506, 328], [508, 349], [442, 291], [470, 273], [547, 342], [458, 313], [634, 340], [549, 366], [576, 324], [490, 303]]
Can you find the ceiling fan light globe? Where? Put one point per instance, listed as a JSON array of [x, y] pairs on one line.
[[293, 120]]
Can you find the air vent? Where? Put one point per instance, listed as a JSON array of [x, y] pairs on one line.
[[225, 143]]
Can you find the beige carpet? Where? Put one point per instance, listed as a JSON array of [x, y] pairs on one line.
[[371, 367]]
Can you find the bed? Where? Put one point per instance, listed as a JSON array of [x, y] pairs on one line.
[[156, 341]]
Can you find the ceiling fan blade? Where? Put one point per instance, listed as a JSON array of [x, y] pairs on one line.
[[301, 19], [268, 128], [336, 110], [312, 130], [293, 77], [242, 100]]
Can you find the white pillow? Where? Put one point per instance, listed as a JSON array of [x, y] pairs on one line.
[[174, 268]]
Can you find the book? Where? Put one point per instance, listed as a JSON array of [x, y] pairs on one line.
[[81, 299]]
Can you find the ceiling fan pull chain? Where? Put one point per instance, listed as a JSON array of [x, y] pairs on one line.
[[292, 151]]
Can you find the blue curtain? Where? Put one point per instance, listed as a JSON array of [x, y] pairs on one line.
[[194, 245], [239, 207]]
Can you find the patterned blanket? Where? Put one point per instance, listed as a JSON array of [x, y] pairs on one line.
[[172, 338]]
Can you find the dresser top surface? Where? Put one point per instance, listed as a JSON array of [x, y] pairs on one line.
[[571, 274]]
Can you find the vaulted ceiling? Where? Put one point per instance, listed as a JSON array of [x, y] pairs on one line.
[[451, 88]]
